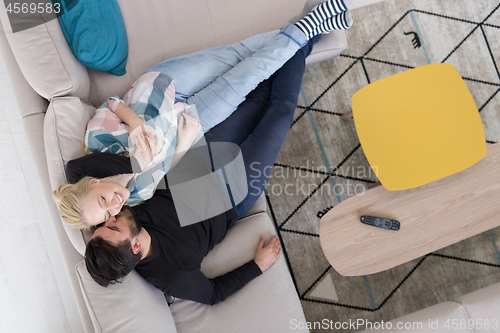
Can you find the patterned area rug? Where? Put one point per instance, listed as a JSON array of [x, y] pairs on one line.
[[323, 163]]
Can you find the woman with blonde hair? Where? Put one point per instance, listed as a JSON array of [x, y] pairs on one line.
[[155, 125]]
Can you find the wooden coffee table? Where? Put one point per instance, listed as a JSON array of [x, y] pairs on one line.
[[432, 216]]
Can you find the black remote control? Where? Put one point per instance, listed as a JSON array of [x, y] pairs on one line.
[[380, 222]]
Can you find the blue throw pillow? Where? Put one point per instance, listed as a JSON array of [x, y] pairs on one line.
[[95, 33]]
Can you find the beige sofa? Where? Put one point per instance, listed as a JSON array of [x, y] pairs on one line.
[[476, 312], [49, 85]]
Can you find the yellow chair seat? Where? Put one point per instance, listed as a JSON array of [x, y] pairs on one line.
[[418, 126]]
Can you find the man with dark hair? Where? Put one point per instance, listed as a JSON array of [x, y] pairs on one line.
[[170, 254], [113, 262]]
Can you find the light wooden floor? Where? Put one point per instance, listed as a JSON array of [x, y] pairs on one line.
[[35, 295]]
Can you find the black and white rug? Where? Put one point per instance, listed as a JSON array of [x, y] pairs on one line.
[[323, 163]]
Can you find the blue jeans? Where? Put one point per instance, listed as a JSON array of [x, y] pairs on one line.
[[260, 124], [217, 80]]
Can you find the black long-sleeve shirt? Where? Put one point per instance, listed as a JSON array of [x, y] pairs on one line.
[[178, 251]]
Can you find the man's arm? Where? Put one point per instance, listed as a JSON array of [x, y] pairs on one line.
[[98, 165], [195, 286]]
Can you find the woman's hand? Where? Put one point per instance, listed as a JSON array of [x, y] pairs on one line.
[[265, 256], [144, 137], [143, 157], [141, 135], [189, 127]]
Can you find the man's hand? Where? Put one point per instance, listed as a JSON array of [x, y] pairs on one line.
[[265, 256]]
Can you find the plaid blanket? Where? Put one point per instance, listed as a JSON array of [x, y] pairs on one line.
[[152, 97]]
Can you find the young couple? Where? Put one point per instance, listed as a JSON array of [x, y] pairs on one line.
[[245, 94]]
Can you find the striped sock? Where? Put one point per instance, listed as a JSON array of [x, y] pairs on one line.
[[330, 8], [342, 21], [320, 13]]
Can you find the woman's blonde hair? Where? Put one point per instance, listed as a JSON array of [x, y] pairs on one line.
[[67, 198]]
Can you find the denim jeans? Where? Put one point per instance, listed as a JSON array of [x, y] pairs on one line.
[[217, 80], [260, 124]]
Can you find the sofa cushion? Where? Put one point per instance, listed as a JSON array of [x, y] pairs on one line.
[[482, 307], [266, 304], [64, 128], [131, 306], [46, 61], [104, 48]]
